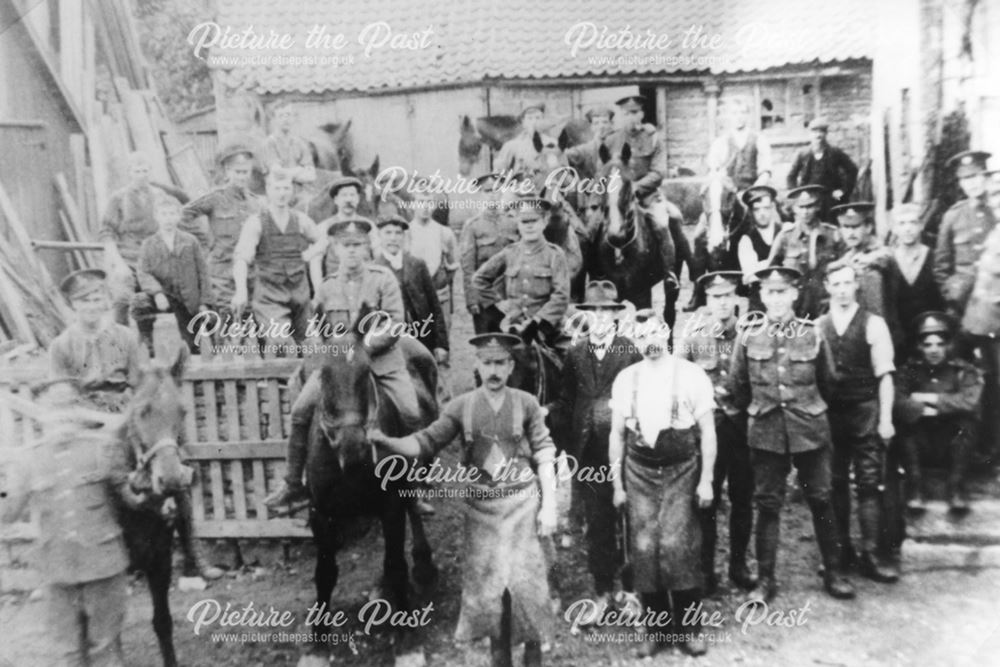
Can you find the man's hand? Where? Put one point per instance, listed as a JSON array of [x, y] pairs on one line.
[[162, 304], [441, 356], [619, 498], [886, 430], [705, 493], [838, 194], [239, 300], [547, 519], [927, 398], [929, 411], [475, 309]]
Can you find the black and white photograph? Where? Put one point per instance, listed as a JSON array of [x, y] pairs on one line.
[[472, 333]]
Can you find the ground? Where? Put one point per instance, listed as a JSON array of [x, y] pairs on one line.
[[942, 612]]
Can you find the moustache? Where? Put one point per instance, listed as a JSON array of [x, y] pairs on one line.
[[493, 378]]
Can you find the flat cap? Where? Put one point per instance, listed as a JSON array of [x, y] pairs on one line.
[[83, 282], [819, 123], [397, 220], [343, 182], [528, 105], [599, 110]]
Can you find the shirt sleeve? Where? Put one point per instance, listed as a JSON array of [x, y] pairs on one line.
[[621, 392], [763, 154], [748, 258], [701, 393], [880, 340], [312, 231], [717, 153], [246, 246], [443, 430]]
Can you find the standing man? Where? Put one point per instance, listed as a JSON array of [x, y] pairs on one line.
[[663, 427], [283, 149], [357, 285], [860, 413], [585, 157], [225, 210], [504, 585], [127, 222], [420, 300], [346, 195], [781, 372], [519, 152], [437, 246], [484, 236], [913, 276], [740, 153], [535, 289], [276, 241], [826, 165], [649, 149], [709, 341], [754, 247], [583, 414], [808, 245]]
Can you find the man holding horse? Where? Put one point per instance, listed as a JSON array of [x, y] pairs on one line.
[[535, 289], [509, 453], [742, 155], [358, 287]]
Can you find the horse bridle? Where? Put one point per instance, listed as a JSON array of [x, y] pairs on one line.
[[144, 458], [371, 420]]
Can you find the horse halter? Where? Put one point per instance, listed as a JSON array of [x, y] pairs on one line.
[[144, 458], [355, 419]]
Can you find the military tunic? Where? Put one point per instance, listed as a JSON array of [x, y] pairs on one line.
[[649, 156], [106, 362], [810, 251], [483, 237], [226, 209], [535, 281], [959, 245]]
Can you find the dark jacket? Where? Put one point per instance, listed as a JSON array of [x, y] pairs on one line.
[[834, 171], [181, 274], [958, 384], [420, 300]]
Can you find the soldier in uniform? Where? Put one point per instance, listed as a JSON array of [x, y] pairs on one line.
[[754, 247], [585, 158], [276, 242], [346, 195], [822, 164], [357, 285], [67, 476], [127, 222], [535, 290], [860, 413], [649, 149], [937, 400], [225, 209], [781, 373], [504, 588], [484, 236], [742, 155], [107, 359], [709, 340], [808, 245], [912, 275], [519, 153]]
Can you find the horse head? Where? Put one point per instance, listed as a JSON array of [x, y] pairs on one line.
[[550, 157], [154, 422], [615, 179], [331, 149]]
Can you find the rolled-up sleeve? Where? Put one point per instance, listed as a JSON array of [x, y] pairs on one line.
[[315, 234], [246, 246], [880, 341], [700, 394]]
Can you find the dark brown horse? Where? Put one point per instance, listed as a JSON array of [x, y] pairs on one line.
[[343, 483], [147, 467]]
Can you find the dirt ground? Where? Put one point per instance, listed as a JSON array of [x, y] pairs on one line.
[[934, 616]]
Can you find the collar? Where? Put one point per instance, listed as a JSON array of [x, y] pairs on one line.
[[395, 260], [842, 317], [170, 240]]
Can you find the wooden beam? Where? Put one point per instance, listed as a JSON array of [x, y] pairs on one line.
[[241, 370], [253, 528], [13, 310], [228, 450], [68, 246]]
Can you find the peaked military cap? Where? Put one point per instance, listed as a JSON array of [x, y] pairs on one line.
[[83, 282], [720, 282], [630, 102], [231, 150], [778, 276], [968, 163], [858, 209], [934, 322], [492, 345], [353, 228], [817, 191]]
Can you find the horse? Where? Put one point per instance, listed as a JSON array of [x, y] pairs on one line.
[[495, 131], [716, 237], [147, 444], [343, 484]]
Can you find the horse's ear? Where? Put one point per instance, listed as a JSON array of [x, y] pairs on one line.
[[510, 165], [536, 141], [179, 362], [563, 140], [373, 170], [626, 153], [603, 153]]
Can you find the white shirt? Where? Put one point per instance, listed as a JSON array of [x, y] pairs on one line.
[[395, 261], [655, 395], [168, 240]]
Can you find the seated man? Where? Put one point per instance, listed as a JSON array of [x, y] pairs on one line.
[[937, 403], [356, 286]]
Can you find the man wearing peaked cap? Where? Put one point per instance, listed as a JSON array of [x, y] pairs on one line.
[[754, 247], [780, 374], [822, 164], [518, 153], [808, 245], [709, 341], [936, 409], [647, 145], [500, 429], [345, 192]]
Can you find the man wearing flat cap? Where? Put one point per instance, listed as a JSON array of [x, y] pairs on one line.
[[781, 375], [822, 164], [482, 237], [754, 247], [224, 210], [709, 341], [585, 158], [519, 152], [936, 407], [358, 287], [581, 413], [510, 504], [744, 156], [345, 191], [649, 149], [808, 245], [420, 299], [534, 293]]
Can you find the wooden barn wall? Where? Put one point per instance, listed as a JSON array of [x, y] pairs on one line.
[[34, 135]]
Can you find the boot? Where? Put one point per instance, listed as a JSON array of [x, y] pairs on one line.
[[533, 654], [656, 603], [837, 585], [768, 525], [765, 592], [292, 492], [696, 644], [958, 496], [194, 561], [500, 653], [871, 566], [145, 327], [740, 574], [709, 533]]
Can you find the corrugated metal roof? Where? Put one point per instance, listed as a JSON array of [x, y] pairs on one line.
[[473, 40]]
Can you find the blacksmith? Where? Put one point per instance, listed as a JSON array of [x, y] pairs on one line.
[[822, 164], [649, 148], [420, 298], [127, 222], [224, 209], [583, 414], [519, 153], [357, 286], [276, 241], [659, 406], [808, 245], [860, 413], [709, 341], [742, 155], [754, 247], [937, 405], [81, 554], [534, 293], [507, 446], [585, 158], [107, 359], [913, 280], [436, 245], [781, 375], [482, 237]]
